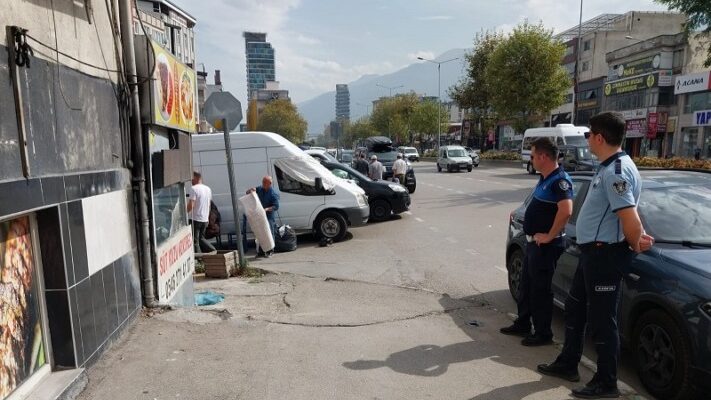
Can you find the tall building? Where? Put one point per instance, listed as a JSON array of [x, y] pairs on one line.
[[168, 25], [343, 102], [260, 61]]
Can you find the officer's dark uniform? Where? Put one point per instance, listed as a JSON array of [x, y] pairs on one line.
[[605, 257], [536, 300]]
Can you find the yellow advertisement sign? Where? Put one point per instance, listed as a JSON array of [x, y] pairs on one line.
[[631, 85], [174, 92]]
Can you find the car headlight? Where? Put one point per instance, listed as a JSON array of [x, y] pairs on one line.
[[362, 200], [397, 188]]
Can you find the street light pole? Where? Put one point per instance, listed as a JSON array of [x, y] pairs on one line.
[[439, 95], [389, 88]]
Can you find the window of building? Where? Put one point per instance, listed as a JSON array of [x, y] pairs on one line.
[[569, 50], [586, 65], [689, 139], [586, 45], [697, 101], [677, 61]]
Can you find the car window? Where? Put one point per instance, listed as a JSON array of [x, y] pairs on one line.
[[288, 184], [340, 173], [677, 213], [580, 190], [456, 153]]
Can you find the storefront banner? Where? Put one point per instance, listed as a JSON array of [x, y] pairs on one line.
[[662, 118], [635, 114], [637, 67], [21, 344], [175, 260], [631, 85], [698, 82], [652, 121], [635, 128], [173, 92], [702, 118], [671, 124], [666, 78], [490, 136]]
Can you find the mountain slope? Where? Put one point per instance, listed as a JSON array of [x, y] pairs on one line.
[[420, 77]]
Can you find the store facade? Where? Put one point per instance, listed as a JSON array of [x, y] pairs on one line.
[[694, 95]]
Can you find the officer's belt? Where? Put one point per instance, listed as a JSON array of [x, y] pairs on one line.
[[529, 238], [601, 245]]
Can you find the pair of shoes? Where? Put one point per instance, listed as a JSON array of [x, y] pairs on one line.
[[516, 330], [597, 390], [269, 254], [559, 370], [260, 254], [535, 340]]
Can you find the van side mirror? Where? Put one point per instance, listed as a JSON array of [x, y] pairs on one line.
[[319, 183]]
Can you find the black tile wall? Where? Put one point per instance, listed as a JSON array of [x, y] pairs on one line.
[[21, 195], [60, 328], [76, 326], [121, 298], [98, 298], [85, 307], [78, 238], [112, 314], [72, 187], [67, 244], [50, 239], [53, 190]]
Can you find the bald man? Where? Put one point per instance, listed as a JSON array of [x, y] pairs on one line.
[[270, 201]]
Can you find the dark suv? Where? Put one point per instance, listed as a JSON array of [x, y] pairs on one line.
[[665, 312], [381, 147]]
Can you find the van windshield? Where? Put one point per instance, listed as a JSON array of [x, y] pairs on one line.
[[576, 140], [584, 153], [456, 153]]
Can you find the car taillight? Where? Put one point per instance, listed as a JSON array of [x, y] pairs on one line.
[[706, 308]]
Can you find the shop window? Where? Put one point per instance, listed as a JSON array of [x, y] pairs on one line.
[[169, 211], [689, 141], [22, 342], [697, 101]]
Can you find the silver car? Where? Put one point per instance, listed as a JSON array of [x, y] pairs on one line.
[[453, 158]]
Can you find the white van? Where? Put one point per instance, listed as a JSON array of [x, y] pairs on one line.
[[561, 134], [312, 199]]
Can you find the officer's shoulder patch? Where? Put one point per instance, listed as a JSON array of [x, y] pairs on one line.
[[564, 185], [620, 187]]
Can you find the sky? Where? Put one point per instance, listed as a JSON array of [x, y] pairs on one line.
[[319, 43]]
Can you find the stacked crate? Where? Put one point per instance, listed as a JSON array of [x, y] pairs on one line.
[[221, 265]]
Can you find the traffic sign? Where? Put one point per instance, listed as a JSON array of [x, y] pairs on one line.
[[223, 105]]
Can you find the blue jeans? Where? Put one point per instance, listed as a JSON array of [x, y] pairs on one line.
[[272, 228]]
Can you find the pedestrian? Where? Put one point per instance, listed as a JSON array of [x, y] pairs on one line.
[[544, 221], [399, 169], [361, 165], [199, 200], [269, 199], [609, 234], [375, 169]]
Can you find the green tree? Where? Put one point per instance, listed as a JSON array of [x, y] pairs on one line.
[[280, 116], [524, 75], [391, 116], [698, 16], [423, 120], [360, 129]]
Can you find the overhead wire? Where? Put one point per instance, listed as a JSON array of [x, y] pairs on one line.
[[59, 77]]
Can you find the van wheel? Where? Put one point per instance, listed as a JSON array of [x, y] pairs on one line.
[[380, 209], [449, 168], [411, 188], [663, 356], [530, 169], [332, 225], [439, 169], [515, 267], [469, 168]]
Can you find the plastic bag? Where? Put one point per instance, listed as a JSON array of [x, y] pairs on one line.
[[285, 239]]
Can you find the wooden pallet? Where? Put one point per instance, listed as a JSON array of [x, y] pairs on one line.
[[221, 265]]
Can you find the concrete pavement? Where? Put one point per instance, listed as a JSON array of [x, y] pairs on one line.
[[284, 336]]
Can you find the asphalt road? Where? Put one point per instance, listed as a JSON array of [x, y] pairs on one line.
[[451, 241]]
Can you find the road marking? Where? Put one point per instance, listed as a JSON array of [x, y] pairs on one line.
[[469, 179], [418, 219], [407, 212], [501, 269], [449, 190], [473, 194], [486, 199], [460, 192], [452, 240], [472, 252], [433, 229], [439, 187], [481, 180]]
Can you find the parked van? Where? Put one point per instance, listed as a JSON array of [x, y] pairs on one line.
[[561, 134], [453, 158], [312, 199]]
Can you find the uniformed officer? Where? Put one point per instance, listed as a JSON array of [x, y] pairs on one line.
[[546, 215], [609, 233]]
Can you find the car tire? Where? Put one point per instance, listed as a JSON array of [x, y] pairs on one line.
[[530, 169], [663, 356], [476, 165], [411, 188], [332, 225], [469, 168], [449, 168], [514, 265], [439, 168], [380, 209]]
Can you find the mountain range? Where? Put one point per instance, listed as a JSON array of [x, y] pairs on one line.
[[420, 78]]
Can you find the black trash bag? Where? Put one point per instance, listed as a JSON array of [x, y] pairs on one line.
[[213, 222], [284, 239]]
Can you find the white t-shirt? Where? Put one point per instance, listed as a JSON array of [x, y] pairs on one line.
[[399, 167], [202, 195]]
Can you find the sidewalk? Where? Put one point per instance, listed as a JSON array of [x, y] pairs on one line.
[[292, 337]]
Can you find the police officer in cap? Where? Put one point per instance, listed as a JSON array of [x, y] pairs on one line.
[[546, 215], [609, 234]]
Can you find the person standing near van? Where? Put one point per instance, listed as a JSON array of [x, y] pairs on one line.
[[361, 165], [609, 233], [399, 169], [546, 215], [375, 169], [270, 201], [199, 200]]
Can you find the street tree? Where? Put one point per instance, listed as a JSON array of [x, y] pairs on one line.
[[391, 116], [698, 16], [524, 76], [361, 129], [280, 116], [423, 121]]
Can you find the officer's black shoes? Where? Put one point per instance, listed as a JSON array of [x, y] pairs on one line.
[[516, 330], [597, 390], [559, 370], [535, 340]]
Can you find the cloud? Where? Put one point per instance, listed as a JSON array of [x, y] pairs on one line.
[[421, 53], [436, 18], [307, 40]]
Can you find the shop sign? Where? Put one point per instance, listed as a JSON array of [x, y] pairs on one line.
[[587, 104], [702, 118], [631, 85], [637, 67], [635, 114], [652, 122], [490, 135], [665, 78], [698, 82], [662, 119], [635, 128], [671, 124], [169, 99], [22, 350], [175, 260]]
